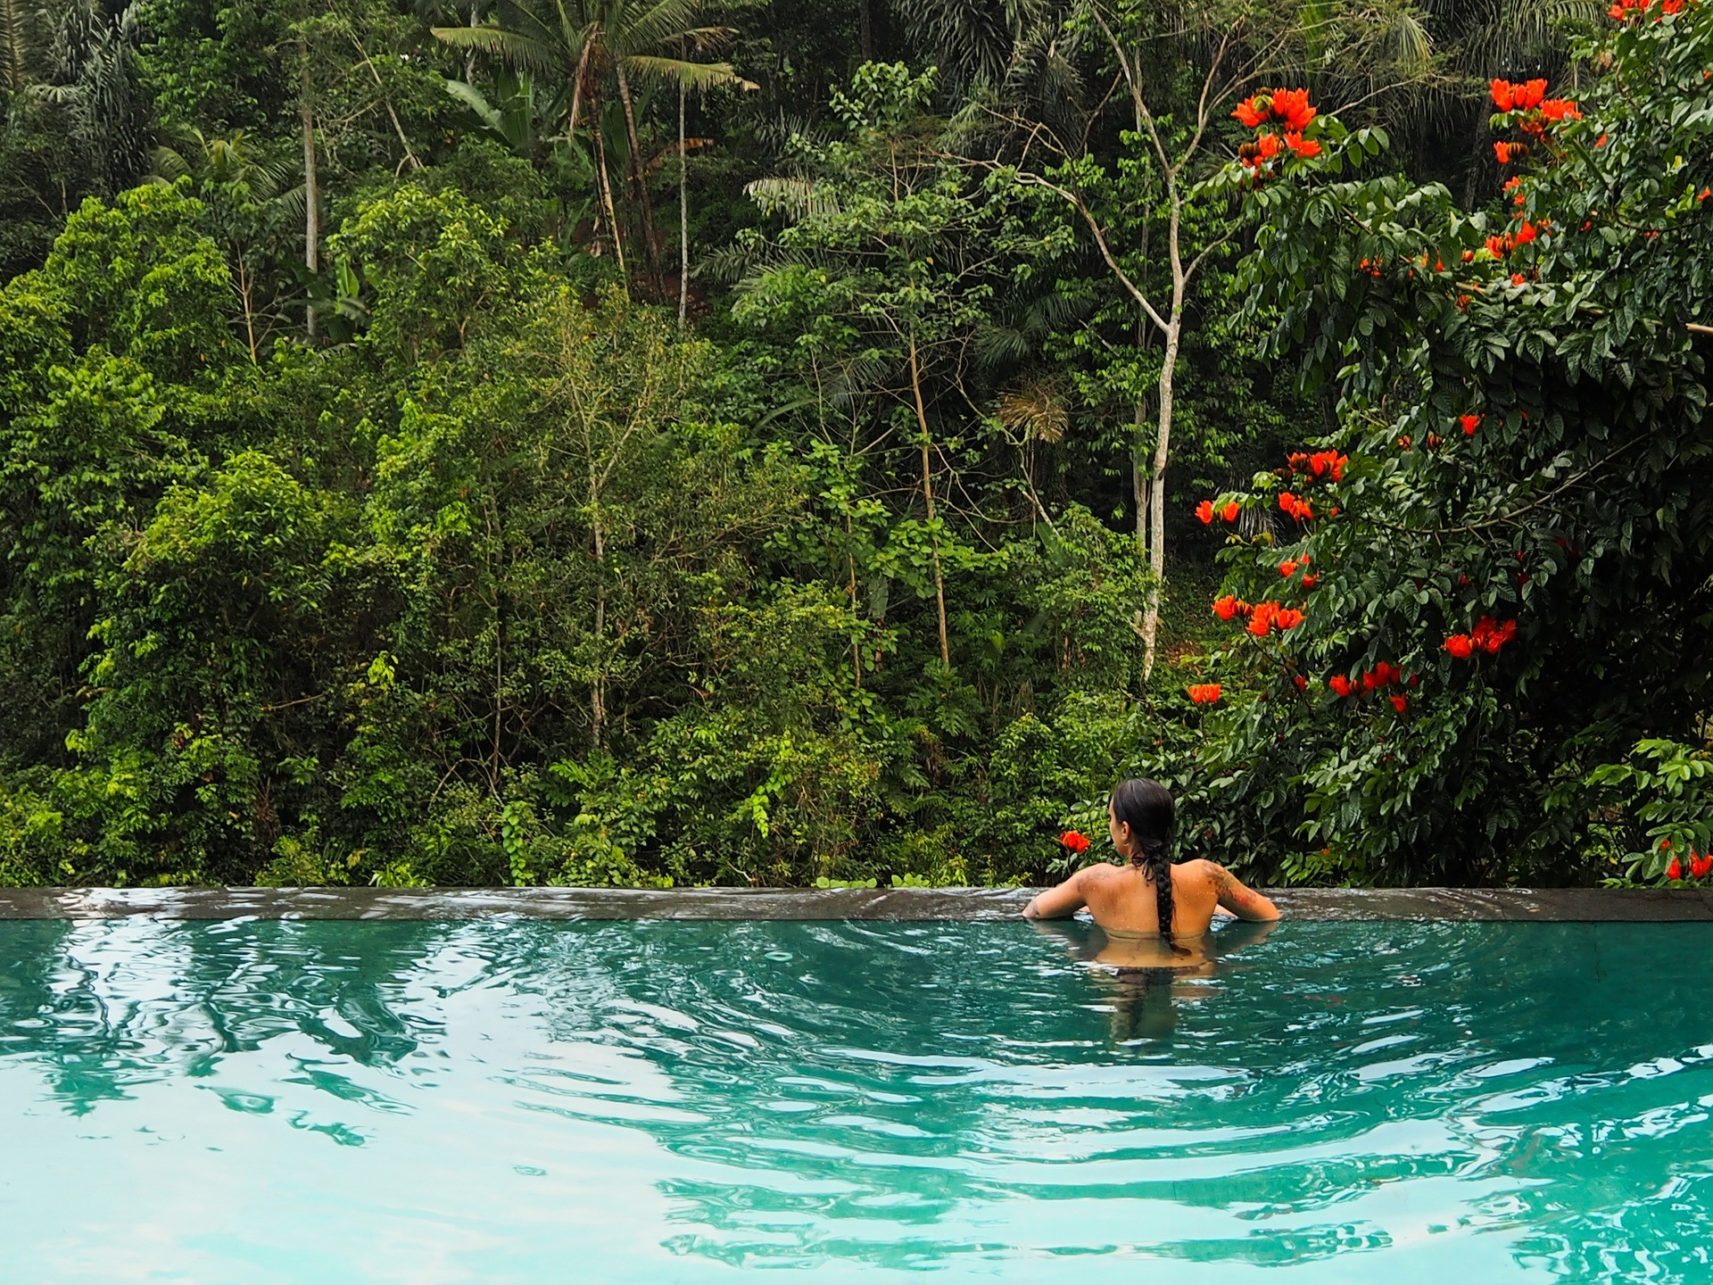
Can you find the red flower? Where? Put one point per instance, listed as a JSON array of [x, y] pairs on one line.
[[1340, 685], [1225, 608], [1287, 568], [1563, 109], [1250, 111], [1076, 841], [1503, 94], [1674, 870], [1204, 511], [1400, 703], [1518, 279], [1321, 463], [1461, 646], [1309, 582], [1528, 94], [1301, 682], [1287, 618], [1490, 636], [1699, 867], [1508, 152], [1303, 147], [1497, 245], [1470, 424], [1204, 693], [1292, 107], [1526, 233], [1230, 511]]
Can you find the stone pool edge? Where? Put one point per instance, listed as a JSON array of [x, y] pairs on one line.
[[1565, 905]]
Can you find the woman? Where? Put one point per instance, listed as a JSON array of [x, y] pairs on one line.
[[1156, 913]]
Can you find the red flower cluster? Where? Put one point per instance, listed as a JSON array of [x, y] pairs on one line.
[[1268, 616], [1204, 693], [1230, 607], [1488, 636], [1289, 566], [1320, 464], [1290, 107], [1530, 98], [1505, 152], [1287, 107], [1624, 10], [1205, 512], [1518, 98], [1075, 840], [1699, 866], [1383, 675], [1294, 507], [1500, 246]]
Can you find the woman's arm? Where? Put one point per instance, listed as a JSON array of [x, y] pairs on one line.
[[1239, 899], [1060, 902]]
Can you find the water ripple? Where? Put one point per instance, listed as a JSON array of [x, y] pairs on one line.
[[668, 1101]]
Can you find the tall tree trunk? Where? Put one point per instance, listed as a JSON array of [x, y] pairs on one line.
[[470, 55], [1157, 487], [1477, 137], [244, 293], [684, 218], [928, 501], [639, 184], [311, 188], [410, 156], [604, 193], [865, 29], [598, 689], [850, 567]]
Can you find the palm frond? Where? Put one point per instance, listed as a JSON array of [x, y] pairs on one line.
[[792, 198], [1036, 409], [660, 23], [691, 75], [20, 44], [510, 47]]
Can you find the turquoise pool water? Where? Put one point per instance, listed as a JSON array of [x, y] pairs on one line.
[[671, 1101]]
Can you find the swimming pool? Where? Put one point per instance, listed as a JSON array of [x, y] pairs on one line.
[[676, 1101]]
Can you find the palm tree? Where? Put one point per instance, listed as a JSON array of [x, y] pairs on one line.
[[597, 47], [20, 45]]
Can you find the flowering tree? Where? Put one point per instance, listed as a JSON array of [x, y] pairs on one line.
[[1502, 559]]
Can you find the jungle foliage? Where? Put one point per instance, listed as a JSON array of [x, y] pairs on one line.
[[569, 441]]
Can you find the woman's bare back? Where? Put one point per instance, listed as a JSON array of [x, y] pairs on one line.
[[1123, 899]]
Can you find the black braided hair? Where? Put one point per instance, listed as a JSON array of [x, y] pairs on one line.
[[1146, 807]]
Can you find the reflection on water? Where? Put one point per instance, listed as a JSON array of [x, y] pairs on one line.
[[667, 1101]]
